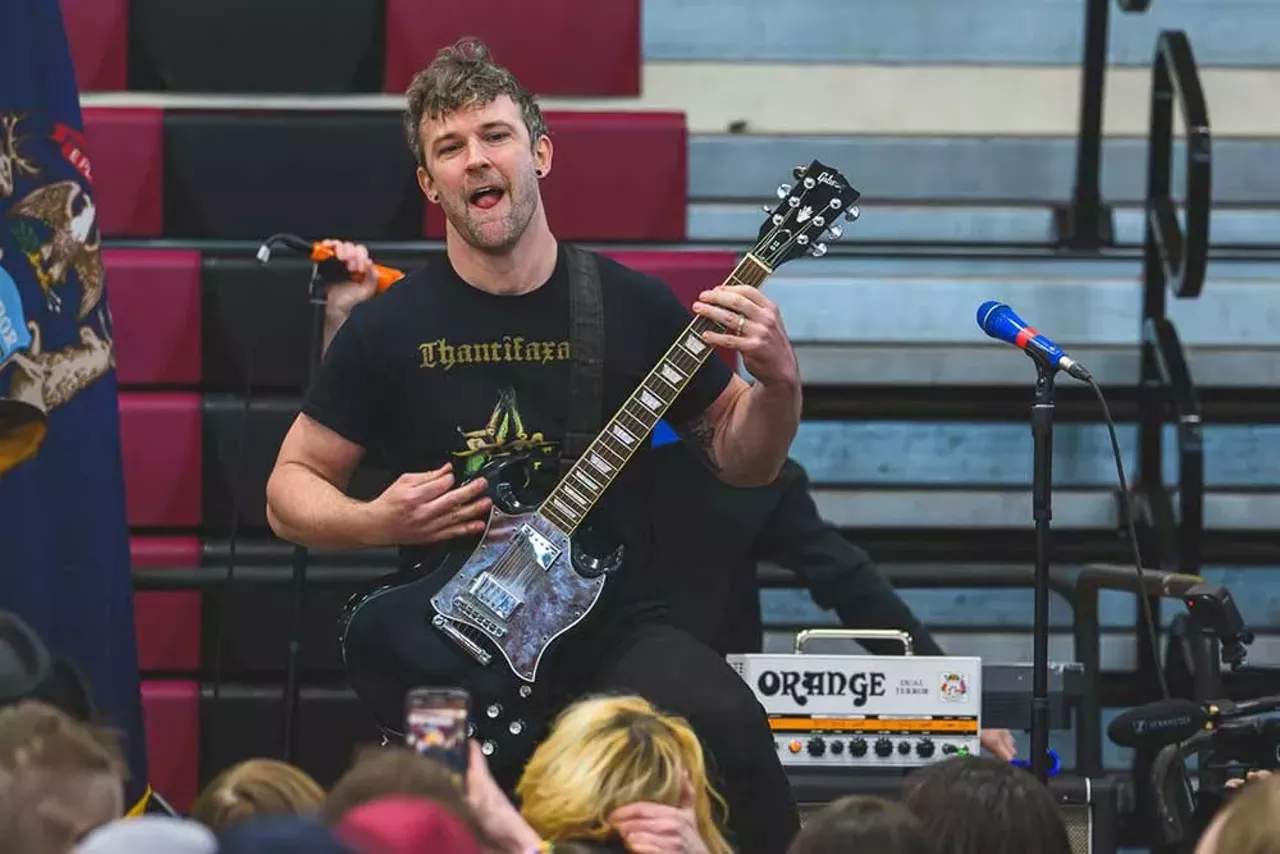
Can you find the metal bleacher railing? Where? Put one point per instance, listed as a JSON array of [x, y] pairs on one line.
[[1174, 259]]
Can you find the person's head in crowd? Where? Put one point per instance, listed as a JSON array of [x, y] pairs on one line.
[[857, 823], [405, 824], [29, 671], [282, 833], [977, 805], [606, 752], [61, 779], [1249, 823], [146, 833], [380, 772], [257, 787]]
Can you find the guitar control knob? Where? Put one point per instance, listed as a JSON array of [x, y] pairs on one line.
[[494, 711], [817, 747], [471, 729], [858, 747], [924, 748], [884, 747], [904, 748], [837, 748], [525, 691], [515, 727], [488, 748]]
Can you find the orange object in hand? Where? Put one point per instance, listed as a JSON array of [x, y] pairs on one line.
[[387, 276]]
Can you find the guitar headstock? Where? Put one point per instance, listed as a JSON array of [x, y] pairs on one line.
[[806, 215]]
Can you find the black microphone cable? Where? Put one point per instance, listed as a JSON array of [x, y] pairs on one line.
[[240, 456], [1148, 617], [237, 487]]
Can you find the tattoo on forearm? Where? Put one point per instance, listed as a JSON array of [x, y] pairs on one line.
[[700, 434]]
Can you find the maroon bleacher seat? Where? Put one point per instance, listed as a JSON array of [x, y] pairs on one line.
[[126, 150], [614, 176], [570, 47], [167, 621], [687, 273], [171, 714], [98, 33], [155, 308], [160, 433]]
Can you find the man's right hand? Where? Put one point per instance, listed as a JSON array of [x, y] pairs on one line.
[[421, 508], [344, 296]]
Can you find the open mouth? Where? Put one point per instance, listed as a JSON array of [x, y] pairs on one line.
[[486, 197]]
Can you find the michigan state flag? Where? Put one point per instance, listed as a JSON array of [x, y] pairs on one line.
[[64, 547]]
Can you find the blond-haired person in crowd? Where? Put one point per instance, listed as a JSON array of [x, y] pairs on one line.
[[616, 769], [257, 787], [58, 779]]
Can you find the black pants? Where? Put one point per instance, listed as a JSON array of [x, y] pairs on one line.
[[681, 676]]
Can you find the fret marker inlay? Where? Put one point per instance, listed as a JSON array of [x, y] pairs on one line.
[[672, 375], [623, 436]]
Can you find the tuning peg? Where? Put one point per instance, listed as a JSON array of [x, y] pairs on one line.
[[819, 249], [797, 172], [852, 213], [836, 232], [783, 189], [766, 208]]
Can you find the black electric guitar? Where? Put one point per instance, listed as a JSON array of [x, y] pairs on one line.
[[484, 620]]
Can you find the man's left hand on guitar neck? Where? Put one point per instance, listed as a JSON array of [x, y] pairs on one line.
[[746, 431]]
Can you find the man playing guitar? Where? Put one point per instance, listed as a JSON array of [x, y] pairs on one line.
[[467, 361]]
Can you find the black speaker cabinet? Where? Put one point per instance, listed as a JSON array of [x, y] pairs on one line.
[[1089, 805]]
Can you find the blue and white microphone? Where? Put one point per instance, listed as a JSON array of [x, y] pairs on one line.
[[1003, 324]]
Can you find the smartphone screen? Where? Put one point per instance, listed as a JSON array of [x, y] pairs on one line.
[[436, 724]]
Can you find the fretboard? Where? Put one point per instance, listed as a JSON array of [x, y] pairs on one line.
[[592, 473]]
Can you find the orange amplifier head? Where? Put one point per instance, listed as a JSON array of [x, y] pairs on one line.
[[867, 710]]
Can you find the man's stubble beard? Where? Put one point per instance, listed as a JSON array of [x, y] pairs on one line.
[[520, 209]]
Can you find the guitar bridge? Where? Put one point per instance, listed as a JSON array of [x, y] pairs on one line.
[[477, 616]]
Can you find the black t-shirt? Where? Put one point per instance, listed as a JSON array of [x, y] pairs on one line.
[[435, 370]]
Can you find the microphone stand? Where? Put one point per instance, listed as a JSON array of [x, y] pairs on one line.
[[293, 667], [1042, 509]]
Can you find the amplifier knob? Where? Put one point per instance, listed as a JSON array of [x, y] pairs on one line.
[[794, 745], [925, 748], [884, 747], [858, 747], [817, 747], [904, 747], [949, 750], [837, 747]]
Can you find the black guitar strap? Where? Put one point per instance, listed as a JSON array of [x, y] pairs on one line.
[[586, 339]]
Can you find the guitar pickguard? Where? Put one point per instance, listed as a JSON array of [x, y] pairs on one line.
[[519, 589]]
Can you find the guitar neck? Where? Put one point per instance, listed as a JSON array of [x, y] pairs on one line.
[[593, 472]]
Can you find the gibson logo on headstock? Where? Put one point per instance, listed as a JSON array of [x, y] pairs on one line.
[[829, 180], [819, 683]]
